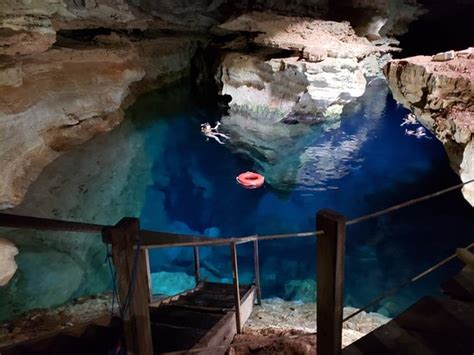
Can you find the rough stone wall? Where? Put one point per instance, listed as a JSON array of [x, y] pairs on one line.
[[62, 97], [440, 94]]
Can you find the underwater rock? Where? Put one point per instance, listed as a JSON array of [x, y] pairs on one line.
[[74, 187], [171, 283], [8, 266], [285, 153], [301, 290], [42, 284], [440, 94]]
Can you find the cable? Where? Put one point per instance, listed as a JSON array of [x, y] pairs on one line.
[[113, 275], [407, 203], [394, 290]]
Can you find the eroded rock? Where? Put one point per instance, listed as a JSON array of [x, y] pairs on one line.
[[440, 94], [8, 266], [64, 96], [323, 68]]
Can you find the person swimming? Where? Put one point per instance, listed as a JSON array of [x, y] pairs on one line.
[[212, 132], [419, 133], [409, 120]]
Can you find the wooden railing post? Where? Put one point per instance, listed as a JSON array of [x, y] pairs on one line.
[[330, 281], [146, 256], [256, 262], [235, 276], [132, 285], [197, 266]]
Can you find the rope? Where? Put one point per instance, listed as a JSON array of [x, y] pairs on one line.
[[113, 275], [406, 204], [404, 284]]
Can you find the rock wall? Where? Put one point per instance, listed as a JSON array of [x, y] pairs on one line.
[[64, 96], [306, 70], [439, 91], [8, 266]]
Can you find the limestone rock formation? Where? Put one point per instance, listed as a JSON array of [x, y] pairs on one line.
[[440, 94], [65, 96], [8, 266], [320, 71]]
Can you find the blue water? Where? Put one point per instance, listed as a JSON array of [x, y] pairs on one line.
[[357, 166]]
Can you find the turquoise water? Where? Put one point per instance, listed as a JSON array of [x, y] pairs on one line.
[[356, 166]]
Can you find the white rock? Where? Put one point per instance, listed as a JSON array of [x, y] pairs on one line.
[[443, 56], [7, 261]]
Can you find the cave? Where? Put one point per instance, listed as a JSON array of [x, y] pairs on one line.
[[250, 124]]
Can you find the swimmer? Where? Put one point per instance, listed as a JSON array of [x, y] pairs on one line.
[[212, 132], [409, 132], [421, 132], [409, 119]]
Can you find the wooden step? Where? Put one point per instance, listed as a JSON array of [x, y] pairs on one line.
[[430, 326], [461, 286]]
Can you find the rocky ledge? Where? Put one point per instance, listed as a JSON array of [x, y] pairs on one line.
[[439, 91], [303, 69]]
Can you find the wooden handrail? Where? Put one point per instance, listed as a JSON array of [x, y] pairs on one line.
[[47, 224], [151, 239]]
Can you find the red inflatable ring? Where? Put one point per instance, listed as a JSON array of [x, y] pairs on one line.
[[250, 180]]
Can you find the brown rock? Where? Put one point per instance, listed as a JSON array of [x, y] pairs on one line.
[[64, 96], [440, 94]]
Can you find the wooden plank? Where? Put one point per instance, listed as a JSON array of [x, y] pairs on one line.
[[330, 281], [429, 322], [460, 286], [132, 285], [235, 277], [388, 339], [144, 255], [256, 263], [197, 265], [152, 239], [222, 334], [27, 222]]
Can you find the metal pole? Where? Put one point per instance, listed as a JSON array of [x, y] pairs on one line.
[[330, 281], [235, 276], [257, 271], [197, 266]]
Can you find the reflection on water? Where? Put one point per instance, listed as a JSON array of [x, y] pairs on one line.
[[158, 166]]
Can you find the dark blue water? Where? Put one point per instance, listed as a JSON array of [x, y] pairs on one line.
[[357, 166]]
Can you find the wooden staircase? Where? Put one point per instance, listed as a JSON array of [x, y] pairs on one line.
[[430, 326], [202, 317], [199, 319], [96, 337]]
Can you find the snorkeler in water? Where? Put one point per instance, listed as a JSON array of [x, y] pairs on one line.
[[212, 132], [409, 120]]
